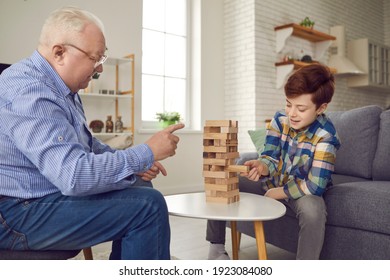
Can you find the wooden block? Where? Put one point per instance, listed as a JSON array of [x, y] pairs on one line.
[[224, 188], [215, 174], [232, 142], [218, 123], [229, 129], [210, 180], [221, 181], [217, 168], [231, 193], [219, 174], [218, 162], [218, 136], [212, 149], [209, 155], [214, 161], [225, 142], [227, 155], [208, 142], [233, 149], [238, 168], [212, 129]]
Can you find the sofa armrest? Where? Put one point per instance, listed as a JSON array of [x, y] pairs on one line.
[[247, 156]]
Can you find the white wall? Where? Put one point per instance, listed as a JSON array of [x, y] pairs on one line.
[[21, 22], [20, 25]]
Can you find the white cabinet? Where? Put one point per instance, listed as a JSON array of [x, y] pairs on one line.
[[374, 60], [112, 94], [320, 40]]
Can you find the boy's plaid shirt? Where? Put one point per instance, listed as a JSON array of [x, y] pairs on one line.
[[301, 162]]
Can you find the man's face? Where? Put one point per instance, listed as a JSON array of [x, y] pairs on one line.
[[302, 112], [82, 58]]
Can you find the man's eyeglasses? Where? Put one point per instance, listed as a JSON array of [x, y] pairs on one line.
[[98, 62]]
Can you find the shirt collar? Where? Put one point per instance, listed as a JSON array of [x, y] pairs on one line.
[[44, 66], [311, 130]]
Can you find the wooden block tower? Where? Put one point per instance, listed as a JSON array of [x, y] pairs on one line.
[[219, 153]]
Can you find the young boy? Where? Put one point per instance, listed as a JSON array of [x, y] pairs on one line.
[[297, 161]]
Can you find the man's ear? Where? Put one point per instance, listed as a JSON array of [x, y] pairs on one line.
[[322, 108], [58, 53]]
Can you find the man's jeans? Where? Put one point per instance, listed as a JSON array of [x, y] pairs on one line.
[[135, 219]]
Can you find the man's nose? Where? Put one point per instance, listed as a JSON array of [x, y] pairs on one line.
[[99, 68]]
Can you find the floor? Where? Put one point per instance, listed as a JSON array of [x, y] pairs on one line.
[[188, 243]]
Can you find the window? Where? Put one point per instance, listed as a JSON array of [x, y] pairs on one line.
[[164, 59]]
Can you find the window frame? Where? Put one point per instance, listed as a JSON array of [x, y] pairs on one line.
[[147, 124]]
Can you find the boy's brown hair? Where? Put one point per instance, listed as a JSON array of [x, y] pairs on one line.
[[314, 79]]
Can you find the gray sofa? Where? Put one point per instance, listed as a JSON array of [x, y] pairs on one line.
[[358, 203]]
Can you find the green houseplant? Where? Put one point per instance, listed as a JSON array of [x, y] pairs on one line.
[[168, 118], [307, 23]]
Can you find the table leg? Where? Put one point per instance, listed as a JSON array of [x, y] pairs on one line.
[[233, 226], [260, 240], [88, 253]]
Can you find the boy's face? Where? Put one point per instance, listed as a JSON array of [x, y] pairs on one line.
[[302, 112]]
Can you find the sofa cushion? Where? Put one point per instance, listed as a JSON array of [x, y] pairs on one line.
[[358, 131], [359, 205], [258, 138], [340, 179], [381, 166]]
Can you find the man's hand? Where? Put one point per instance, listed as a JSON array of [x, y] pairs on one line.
[[164, 143], [153, 172], [257, 169]]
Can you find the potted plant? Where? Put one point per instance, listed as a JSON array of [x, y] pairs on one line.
[[168, 118], [307, 23]]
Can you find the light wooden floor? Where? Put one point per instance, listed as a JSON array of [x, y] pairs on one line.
[[188, 243]]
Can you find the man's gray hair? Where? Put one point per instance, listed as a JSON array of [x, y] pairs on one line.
[[63, 25]]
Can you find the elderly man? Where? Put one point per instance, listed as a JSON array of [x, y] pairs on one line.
[[61, 188]]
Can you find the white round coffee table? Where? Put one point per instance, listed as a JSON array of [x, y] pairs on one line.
[[251, 207]]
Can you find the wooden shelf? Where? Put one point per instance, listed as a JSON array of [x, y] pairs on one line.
[[99, 106], [298, 64], [284, 68], [306, 33], [321, 41]]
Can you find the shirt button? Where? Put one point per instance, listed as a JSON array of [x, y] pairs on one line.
[[60, 138]]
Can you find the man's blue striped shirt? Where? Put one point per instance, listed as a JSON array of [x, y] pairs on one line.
[[45, 142]]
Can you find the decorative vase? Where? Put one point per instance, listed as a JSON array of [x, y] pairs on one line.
[[119, 125], [109, 125]]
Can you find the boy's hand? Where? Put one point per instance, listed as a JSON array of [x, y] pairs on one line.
[[276, 193], [257, 169]]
